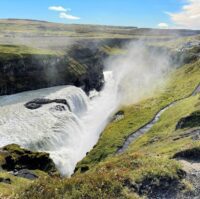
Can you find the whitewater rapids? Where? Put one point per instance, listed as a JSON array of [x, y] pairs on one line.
[[66, 134]]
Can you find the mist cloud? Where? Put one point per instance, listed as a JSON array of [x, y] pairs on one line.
[[140, 72]]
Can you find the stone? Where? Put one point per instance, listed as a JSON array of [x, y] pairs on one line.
[[25, 173], [5, 180]]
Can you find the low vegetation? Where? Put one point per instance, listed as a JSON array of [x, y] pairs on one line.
[[112, 179], [8, 52]]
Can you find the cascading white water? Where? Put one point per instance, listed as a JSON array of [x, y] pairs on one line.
[[66, 135], [69, 135]]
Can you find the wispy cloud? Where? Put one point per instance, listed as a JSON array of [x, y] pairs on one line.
[[64, 15], [189, 16], [58, 8], [63, 12], [163, 25]]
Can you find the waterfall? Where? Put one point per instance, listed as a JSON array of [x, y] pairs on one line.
[[66, 134]]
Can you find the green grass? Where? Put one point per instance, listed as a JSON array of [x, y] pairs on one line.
[[15, 50], [8, 190], [180, 84], [31, 27], [113, 50], [122, 176], [147, 160], [110, 179], [163, 139]]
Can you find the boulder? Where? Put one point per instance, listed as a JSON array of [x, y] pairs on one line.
[[25, 173]]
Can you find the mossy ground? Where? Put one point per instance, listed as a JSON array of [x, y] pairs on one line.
[[8, 190], [110, 179], [8, 52]]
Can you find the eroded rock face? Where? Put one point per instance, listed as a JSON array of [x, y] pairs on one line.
[[190, 121], [158, 187], [82, 67], [17, 158], [189, 154]]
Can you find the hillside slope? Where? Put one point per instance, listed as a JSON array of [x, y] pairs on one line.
[[152, 166], [161, 163]]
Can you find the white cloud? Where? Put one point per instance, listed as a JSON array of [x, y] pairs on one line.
[[64, 15], [58, 8], [189, 16], [163, 25]]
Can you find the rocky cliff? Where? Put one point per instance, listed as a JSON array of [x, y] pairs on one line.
[[80, 66]]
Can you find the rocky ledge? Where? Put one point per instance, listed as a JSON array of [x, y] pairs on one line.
[[80, 66], [19, 161], [190, 121]]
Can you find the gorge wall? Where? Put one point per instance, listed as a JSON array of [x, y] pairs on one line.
[[80, 66]]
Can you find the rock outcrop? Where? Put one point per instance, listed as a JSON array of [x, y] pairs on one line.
[[189, 154], [81, 66], [190, 121], [37, 103], [15, 158]]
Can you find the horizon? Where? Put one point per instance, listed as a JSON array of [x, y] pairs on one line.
[[120, 26], [154, 14]]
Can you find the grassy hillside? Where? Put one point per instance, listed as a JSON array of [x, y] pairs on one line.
[[147, 166], [78, 30], [59, 36], [179, 85]]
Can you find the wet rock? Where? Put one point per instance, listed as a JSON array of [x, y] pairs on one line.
[[25, 173], [58, 108], [5, 180], [37, 103], [190, 121], [17, 158]]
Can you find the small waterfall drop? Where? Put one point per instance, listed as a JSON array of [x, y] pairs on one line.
[[66, 134]]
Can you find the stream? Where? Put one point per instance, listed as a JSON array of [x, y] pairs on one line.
[[144, 129]]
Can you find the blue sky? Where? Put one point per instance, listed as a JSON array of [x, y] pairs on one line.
[[141, 13]]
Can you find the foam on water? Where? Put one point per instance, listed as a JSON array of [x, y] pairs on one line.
[[66, 135]]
